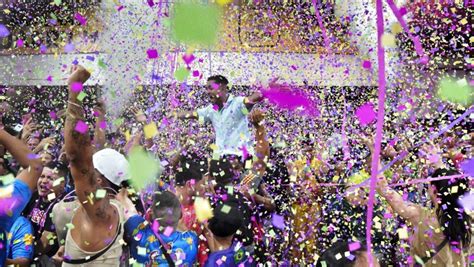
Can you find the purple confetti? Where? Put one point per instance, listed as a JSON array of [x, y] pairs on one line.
[[152, 53], [4, 32], [468, 167], [278, 221]]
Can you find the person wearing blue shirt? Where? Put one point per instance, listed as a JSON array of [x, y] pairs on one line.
[[228, 115], [20, 243], [14, 195], [146, 240], [225, 249]]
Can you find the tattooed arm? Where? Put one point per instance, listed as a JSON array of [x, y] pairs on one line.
[[79, 152]]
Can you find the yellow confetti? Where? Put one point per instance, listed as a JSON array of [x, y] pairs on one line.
[[388, 40], [203, 209], [150, 130], [396, 28]]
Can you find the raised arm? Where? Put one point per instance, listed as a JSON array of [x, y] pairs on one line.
[[253, 99], [99, 133], [406, 209], [262, 146], [31, 164], [79, 152], [186, 115]]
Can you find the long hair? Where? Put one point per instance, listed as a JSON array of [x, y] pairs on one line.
[[451, 216]]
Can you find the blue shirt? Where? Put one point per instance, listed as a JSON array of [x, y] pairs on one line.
[[20, 240], [13, 199], [145, 247], [231, 126], [234, 256]]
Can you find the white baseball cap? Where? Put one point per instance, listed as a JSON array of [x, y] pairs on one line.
[[113, 165]]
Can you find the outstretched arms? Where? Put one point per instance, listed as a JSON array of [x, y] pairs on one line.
[[31, 164], [262, 146]]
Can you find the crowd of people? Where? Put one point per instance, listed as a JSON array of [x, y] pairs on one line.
[[70, 200]]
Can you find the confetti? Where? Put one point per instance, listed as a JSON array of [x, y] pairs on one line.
[[195, 23], [143, 168], [81, 127], [203, 209]]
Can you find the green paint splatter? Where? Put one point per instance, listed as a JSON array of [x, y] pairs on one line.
[[456, 91], [181, 74], [195, 24], [144, 168]]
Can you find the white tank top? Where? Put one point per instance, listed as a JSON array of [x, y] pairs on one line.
[[109, 258]]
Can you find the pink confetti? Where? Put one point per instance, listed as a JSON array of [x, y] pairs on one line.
[[168, 231], [188, 59], [366, 113], [81, 127], [103, 124], [53, 115], [366, 64], [19, 43], [76, 87], [354, 246], [196, 73]]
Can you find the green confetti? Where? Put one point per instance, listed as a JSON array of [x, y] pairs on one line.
[[100, 193], [118, 122], [81, 96], [456, 91], [225, 209], [144, 168], [181, 74], [101, 64], [57, 2], [195, 23]]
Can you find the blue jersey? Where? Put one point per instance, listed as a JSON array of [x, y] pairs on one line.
[[20, 240], [234, 256], [145, 246], [13, 199]]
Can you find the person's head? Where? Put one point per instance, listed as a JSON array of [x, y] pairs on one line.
[[33, 141], [222, 172], [217, 89], [346, 254], [111, 168], [46, 157], [188, 177], [227, 219], [452, 218], [166, 209], [51, 180]]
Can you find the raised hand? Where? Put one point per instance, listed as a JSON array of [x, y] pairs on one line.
[[256, 117], [28, 129], [139, 115], [78, 74]]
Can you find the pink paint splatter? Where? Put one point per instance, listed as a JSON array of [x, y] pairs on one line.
[[292, 100]]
